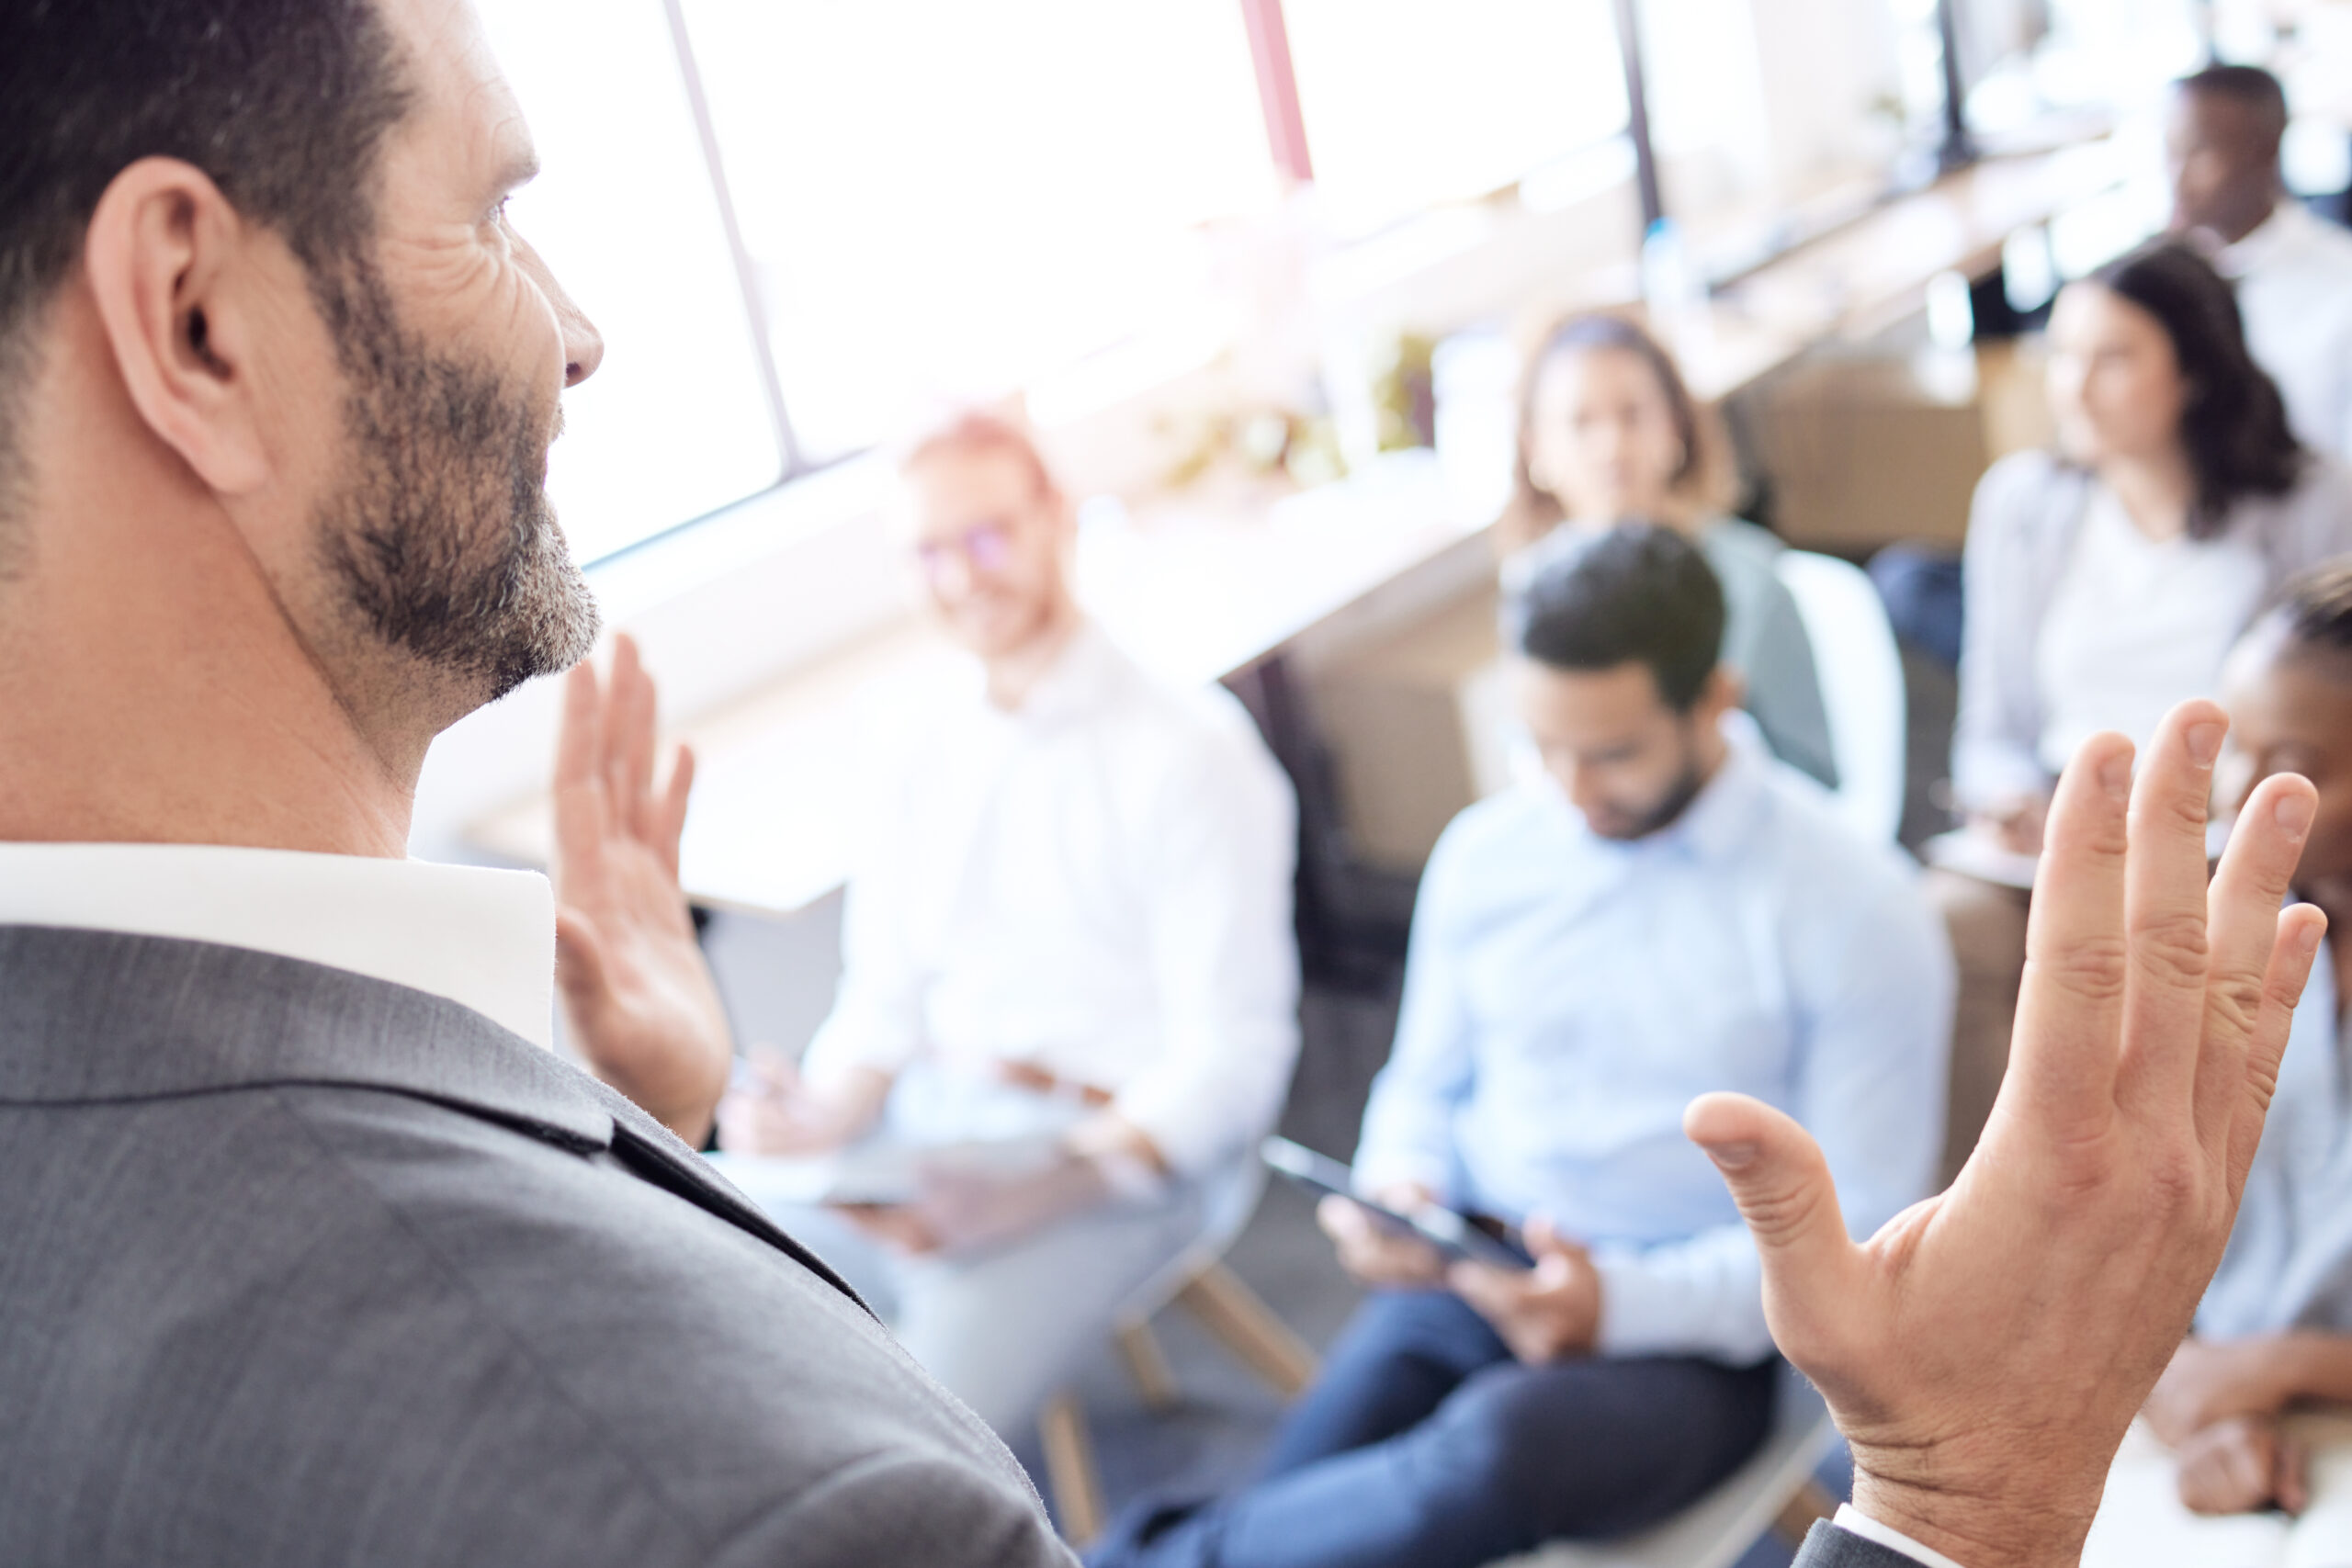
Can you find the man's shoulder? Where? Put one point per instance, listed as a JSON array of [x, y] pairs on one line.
[[1188, 737], [379, 1309], [1809, 844], [2317, 249]]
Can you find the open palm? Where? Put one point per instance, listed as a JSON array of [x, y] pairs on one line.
[[640, 1000], [1985, 1351]]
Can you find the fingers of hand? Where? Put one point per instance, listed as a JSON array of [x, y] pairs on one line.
[[2243, 923], [579, 954], [2290, 1475], [1779, 1178], [628, 754], [1494, 1292], [2070, 1011], [579, 741], [2292, 950], [671, 824], [2165, 913], [580, 803], [2227, 1468]]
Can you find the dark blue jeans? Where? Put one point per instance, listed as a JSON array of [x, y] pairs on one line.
[[1425, 1443]]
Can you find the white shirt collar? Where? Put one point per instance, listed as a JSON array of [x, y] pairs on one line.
[[1082, 682], [2263, 242], [480, 938], [1853, 1521]]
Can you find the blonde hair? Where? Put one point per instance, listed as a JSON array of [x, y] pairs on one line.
[[972, 429]]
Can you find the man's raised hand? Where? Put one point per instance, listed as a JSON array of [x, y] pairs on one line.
[[1985, 1351], [643, 1008]]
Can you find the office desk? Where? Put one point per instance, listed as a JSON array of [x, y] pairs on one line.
[[1196, 592]]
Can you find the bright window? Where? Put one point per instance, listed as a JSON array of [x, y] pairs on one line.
[[676, 424], [1409, 103], [949, 199]]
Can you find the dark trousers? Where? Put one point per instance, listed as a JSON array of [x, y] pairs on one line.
[[1425, 1443]]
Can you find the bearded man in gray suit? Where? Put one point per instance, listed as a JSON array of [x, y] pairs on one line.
[[310, 1251]]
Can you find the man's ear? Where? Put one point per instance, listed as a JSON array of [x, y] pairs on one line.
[[161, 256]]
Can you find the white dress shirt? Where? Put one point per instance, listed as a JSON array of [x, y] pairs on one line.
[[1098, 885], [2294, 279], [2138, 625], [483, 939]]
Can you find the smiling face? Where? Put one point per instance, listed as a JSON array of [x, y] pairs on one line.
[[1601, 436], [2115, 383], [435, 555], [990, 535]]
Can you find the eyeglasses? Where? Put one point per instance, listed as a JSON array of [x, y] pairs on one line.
[[985, 548]]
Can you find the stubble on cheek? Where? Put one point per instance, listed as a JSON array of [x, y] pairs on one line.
[[439, 530]]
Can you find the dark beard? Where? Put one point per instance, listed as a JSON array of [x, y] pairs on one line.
[[1673, 804], [441, 533]]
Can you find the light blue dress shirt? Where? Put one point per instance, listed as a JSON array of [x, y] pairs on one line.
[[1567, 995]]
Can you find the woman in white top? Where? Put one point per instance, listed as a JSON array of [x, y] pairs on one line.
[[2105, 581], [1608, 433]]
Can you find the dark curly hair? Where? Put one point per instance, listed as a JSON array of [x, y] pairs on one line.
[[2233, 427]]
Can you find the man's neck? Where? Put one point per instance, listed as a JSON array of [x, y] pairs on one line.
[[152, 691], [1016, 673], [2252, 219]]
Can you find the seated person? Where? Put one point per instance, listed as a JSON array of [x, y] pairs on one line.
[[1073, 926], [1665, 911], [2293, 271], [2275, 1329], [1609, 434], [2106, 582]]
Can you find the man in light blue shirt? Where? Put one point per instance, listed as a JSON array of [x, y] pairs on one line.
[[1665, 911]]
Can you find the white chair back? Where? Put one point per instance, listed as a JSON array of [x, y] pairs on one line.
[[1718, 1530], [1860, 670]]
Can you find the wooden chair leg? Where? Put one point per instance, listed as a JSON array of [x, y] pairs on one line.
[[1812, 1503], [1231, 1311], [1139, 1347], [1069, 1468]]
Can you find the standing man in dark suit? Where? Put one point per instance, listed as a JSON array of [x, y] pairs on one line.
[[310, 1250]]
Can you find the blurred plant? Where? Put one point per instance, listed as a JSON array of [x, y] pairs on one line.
[[1404, 393], [1261, 443]]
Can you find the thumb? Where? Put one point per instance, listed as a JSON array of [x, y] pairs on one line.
[[1782, 1183], [579, 953]]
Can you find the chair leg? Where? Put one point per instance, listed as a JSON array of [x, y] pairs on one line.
[[1231, 1311], [1069, 1468], [1139, 1347], [1798, 1515]]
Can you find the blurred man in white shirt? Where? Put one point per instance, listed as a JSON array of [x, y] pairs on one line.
[[1071, 927], [2293, 271]]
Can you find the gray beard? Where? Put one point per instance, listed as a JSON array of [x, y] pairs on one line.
[[440, 534]]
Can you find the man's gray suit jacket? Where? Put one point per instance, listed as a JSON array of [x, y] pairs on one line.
[[299, 1268], [1827, 1546]]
